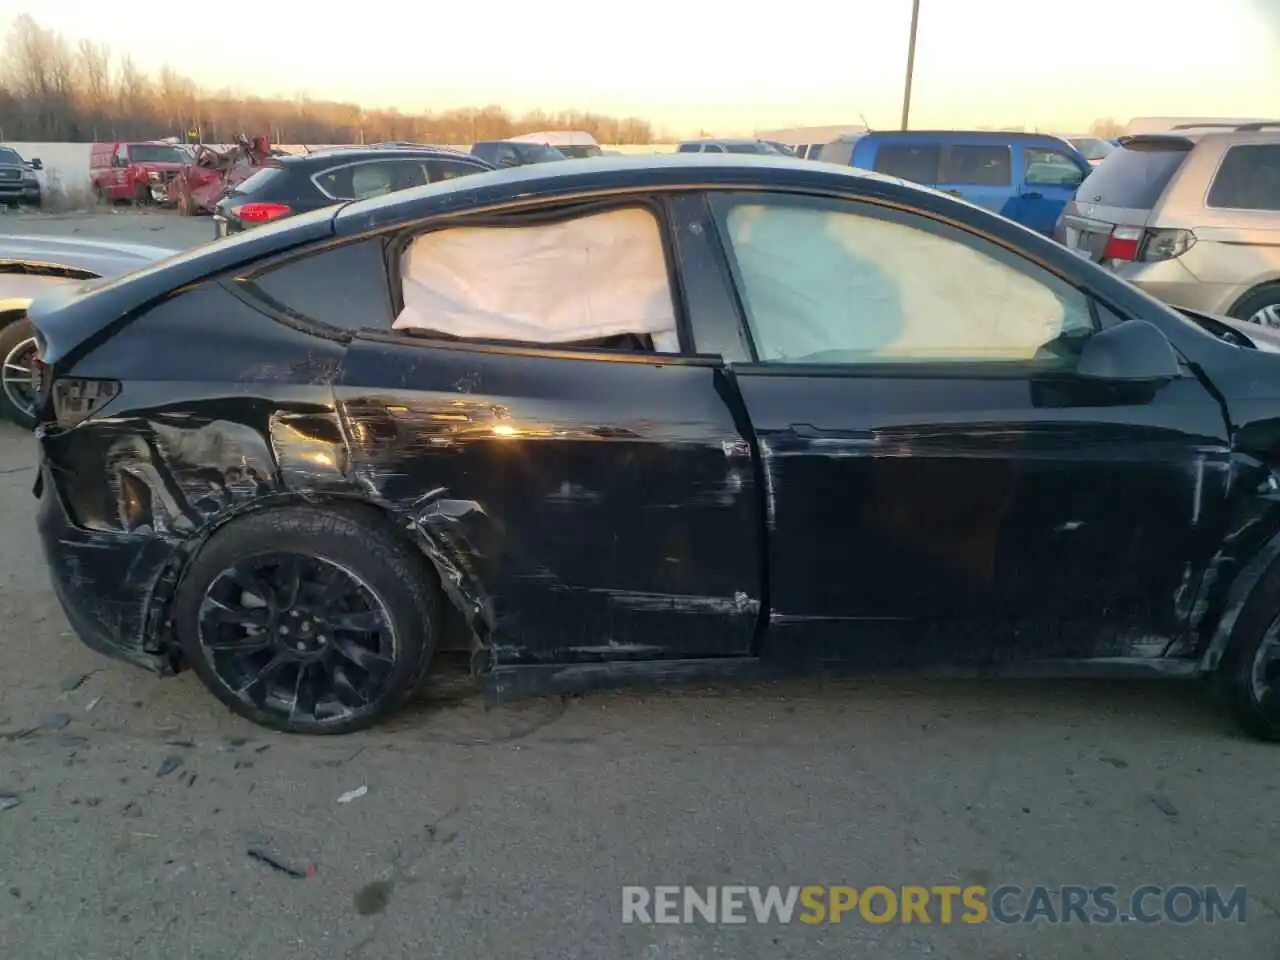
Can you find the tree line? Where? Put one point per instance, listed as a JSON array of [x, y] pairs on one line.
[[53, 90]]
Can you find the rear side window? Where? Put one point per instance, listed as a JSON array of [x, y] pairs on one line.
[[687, 148], [448, 169], [257, 183], [1249, 178], [372, 178], [1136, 175], [978, 164], [343, 287], [918, 163]]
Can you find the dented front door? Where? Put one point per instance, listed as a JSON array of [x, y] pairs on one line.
[[963, 518], [586, 506]]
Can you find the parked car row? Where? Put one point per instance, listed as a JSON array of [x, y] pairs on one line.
[[655, 418], [19, 185], [1191, 216]]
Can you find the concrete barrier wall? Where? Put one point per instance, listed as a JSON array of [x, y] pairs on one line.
[[65, 177]]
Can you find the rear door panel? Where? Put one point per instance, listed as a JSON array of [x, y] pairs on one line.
[[591, 505]]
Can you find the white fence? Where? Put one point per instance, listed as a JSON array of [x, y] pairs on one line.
[[66, 165]]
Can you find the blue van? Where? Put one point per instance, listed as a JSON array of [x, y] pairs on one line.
[[1027, 177]]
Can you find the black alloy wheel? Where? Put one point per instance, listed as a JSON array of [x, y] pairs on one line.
[[298, 634], [308, 620]]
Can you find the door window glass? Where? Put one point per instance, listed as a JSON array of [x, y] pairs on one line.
[[1249, 179], [598, 280], [915, 162], [1046, 167], [977, 164], [832, 283], [371, 179], [448, 169]]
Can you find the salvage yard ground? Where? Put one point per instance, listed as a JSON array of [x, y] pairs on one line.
[[138, 818]]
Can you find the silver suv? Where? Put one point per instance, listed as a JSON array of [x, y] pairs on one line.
[[1192, 216]]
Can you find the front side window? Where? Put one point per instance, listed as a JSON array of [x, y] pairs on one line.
[[833, 283], [1044, 166], [373, 178], [122, 155], [918, 163], [976, 164], [1249, 178]]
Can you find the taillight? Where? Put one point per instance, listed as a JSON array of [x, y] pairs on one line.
[[75, 399], [1167, 244], [1149, 246], [262, 212], [1123, 244]]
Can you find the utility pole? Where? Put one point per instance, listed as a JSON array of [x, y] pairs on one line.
[[911, 62]]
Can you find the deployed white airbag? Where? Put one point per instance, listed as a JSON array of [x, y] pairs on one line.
[[596, 276]]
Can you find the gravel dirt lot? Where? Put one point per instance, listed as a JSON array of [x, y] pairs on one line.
[[509, 833]]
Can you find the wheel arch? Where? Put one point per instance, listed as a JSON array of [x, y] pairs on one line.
[[1273, 281], [455, 632], [1260, 568]]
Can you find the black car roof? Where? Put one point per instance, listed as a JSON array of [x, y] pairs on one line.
[[607, 172]]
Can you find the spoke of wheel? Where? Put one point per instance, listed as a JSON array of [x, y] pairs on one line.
[[348, 695], [249, 583], [288, 581], [25, 373], [363, 621], [256, 689], [304, 693], [217, 612], [240, 645], [376, 666]]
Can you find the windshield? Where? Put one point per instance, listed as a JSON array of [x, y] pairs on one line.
[[10, 156], [158, 153], [1136, 174], [537, 153]]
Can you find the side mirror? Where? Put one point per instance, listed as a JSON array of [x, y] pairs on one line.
[[37, 163], [1132, 351]]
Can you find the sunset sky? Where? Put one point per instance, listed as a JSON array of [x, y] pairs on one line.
[[731, 68]]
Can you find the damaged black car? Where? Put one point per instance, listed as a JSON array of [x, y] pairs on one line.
[[654, 419]]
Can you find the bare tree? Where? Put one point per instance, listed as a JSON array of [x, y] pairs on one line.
[[52, 91]]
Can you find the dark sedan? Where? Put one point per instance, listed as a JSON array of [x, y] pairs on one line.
[[654, 419], [290, 185]]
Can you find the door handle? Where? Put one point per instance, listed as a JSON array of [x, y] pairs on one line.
[[809, 432], [1033, 196]]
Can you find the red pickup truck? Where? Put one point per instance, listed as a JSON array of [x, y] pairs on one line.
[[137, 171]]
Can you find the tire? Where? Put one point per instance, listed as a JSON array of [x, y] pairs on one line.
[[1257, 304], [1257, 630], [100, 196], [16, 338], [141, 195], [390, 579]]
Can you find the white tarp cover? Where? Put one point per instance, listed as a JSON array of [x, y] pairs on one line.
[[595, 276]]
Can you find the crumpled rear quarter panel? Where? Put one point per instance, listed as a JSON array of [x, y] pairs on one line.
[[220, 411]]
